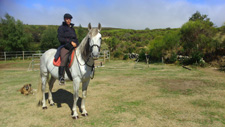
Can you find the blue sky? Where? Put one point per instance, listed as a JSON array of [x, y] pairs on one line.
[[131, 14]]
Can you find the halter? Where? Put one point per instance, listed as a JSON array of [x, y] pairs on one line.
[[86, 62], [97, 46], [91, 48]]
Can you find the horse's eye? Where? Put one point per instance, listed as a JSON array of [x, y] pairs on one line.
[[100, 38]]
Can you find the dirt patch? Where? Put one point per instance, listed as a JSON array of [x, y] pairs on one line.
[[5, 65], [182, 86]]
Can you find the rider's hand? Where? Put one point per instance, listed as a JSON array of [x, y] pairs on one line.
[[74, 44]]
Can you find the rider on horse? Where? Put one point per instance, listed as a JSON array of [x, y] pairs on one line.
[[68, 39]]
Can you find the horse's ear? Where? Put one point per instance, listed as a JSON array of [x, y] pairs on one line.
[[89, 26], [99, 26]]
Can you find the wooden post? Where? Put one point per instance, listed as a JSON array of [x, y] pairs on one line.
[[109, 55], [104, 57], [147, 60], [32, 62], [23, 55], [5, 55]]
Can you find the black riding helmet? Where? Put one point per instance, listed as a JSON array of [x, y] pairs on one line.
[[67, 15]]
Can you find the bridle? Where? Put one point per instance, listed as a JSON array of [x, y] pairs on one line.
[[91, 48], [96, 46], [86, 62]]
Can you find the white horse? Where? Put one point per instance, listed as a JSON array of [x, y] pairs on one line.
[[81, 69]]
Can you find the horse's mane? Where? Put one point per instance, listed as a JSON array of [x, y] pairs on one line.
[[84, 46]]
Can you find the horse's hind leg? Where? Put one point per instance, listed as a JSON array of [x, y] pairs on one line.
[[51, 83]]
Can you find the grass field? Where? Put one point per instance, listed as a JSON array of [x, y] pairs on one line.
[[121, 94]]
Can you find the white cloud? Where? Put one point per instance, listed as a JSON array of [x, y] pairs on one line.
[[134, 14], [153, 14]]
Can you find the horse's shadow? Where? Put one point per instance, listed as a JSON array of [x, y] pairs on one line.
[[64, 96]]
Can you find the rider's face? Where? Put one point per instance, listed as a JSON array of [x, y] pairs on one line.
[[68, 21]]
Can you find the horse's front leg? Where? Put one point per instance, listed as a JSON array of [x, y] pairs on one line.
[[51, 83], [76, 83], [84, 95]]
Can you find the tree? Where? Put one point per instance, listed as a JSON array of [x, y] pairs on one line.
[[147, 28], [13, 36], [197, 36], [156, 48], [112, 43], [197, 16], [81, 33], [165, 45], [49, 39]]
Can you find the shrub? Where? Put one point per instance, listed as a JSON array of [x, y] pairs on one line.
[[173, 58], [125, 57], [117, 54]]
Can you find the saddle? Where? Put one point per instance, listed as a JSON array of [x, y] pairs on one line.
[[70, 61], [57, 63]]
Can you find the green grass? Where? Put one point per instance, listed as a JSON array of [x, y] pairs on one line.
[[121, 94], [208, 103]]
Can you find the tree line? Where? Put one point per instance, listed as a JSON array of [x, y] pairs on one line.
[[197, 38], [16, 36]]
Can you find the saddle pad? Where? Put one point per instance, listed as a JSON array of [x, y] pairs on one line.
[[58, 61]]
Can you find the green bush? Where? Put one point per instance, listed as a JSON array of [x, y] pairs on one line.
[[194, 59], [117, 54], [142, 56], [173, 58], [125, 57]]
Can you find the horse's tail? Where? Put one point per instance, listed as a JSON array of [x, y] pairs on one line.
[[39, 93]]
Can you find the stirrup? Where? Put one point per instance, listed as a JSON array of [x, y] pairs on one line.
[[61, 81]]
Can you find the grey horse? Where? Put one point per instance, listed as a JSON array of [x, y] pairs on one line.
[[81, 69]]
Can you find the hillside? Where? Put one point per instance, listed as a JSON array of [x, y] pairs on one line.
[[197, 41]]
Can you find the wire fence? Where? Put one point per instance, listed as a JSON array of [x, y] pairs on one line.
[[34, 56], [18, 55], [22, 55]]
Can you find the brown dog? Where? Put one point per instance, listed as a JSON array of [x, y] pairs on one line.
[[26, 89]]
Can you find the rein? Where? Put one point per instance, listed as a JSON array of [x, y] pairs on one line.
[[86, 62], [91, 66]]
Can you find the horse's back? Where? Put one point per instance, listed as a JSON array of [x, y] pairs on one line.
[[46, 58]]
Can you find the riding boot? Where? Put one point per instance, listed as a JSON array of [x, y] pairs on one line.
[[61, 74]]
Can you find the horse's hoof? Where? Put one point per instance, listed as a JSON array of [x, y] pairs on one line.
[[75, 117], [86, 114], [44, 107], [52, 104]]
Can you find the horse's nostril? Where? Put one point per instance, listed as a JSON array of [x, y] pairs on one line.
[[94, 55]]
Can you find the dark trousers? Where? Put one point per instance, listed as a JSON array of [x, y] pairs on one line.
[[64, 54]]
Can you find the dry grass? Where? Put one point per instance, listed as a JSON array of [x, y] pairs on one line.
[[122, 94]]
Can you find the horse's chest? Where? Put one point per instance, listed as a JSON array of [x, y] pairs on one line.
[[86, 74]]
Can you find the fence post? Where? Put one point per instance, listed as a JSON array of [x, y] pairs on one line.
[[32, 62], [5, 55], [109, 55], [104, 57], [23, 55]]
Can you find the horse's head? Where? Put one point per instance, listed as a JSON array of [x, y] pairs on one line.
[[94, 39]]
